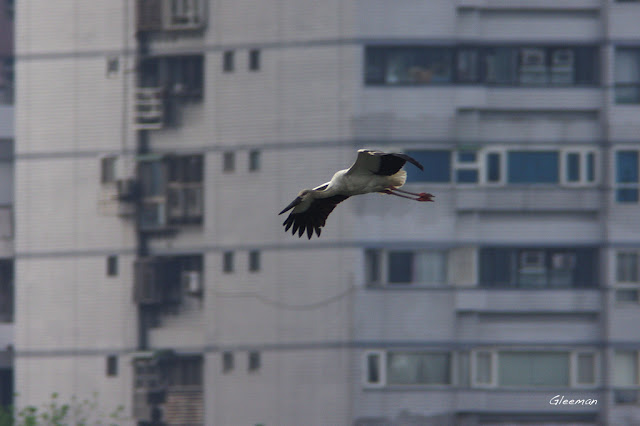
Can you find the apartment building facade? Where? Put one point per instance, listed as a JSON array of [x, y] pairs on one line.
[[156, 141], [6, 203]]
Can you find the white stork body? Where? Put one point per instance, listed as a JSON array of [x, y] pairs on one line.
[[373, 171]]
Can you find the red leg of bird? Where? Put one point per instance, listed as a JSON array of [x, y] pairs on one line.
[[422, 196]]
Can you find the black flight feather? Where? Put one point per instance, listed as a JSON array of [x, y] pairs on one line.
[[313, 218]]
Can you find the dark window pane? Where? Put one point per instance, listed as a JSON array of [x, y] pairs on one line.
[[493, 167], [227, 362], [627, 195], [467, 65], [112, 266], [532, 167], [400, 267], [466, 157], [627, 166], [373, 368], [112, 366], [591, 167], [437, 167], [496, 267], [227, 262], [254, 60], [501, 65], [374, 65], [586, 65], [254, 361], [254, 261], [227, 61], [372, 265], [627, 295], [573, 167], [466, 176]]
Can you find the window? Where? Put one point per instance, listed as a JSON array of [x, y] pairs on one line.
[[627, 267], [374, 369], [494, 65], [625, 377], [108, 169], [112, 366], [627, 75], [538, 268], [113, 65], [227, 262], [627, 175], [227, 362], [437, 166], [184, 370], [172, 191], [496, 166], [408, 65], [181, 76], [254, 261], [228, 161], [514, 368], [254, 160], [254, 60], [402, 267], [254, 361], [227, 61], [532, 167], [533, 369], [112, 266], [418, 368]]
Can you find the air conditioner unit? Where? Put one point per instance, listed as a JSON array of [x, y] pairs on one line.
[[192, 282], [126, 189], [532, 260]]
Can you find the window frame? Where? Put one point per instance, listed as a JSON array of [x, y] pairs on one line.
[[625, 185], [383, 364], [573, 367], [384, 268], [502, 151]]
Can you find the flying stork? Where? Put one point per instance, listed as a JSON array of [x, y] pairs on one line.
[[373, 171]]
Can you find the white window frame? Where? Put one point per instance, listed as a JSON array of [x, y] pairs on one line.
[[382, 368], [583, 153], [493, 381], [383, 271], [573, 366], [626, 285], [484, 169], [383, 365], [615, 185], [461, 165]]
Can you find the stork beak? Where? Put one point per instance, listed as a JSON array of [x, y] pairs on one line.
[[294, 203]]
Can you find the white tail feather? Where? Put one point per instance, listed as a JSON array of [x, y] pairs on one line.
[[398, 179]]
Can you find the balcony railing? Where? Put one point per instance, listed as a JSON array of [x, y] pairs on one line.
[[150, 108]]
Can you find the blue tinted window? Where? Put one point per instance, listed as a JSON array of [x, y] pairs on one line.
[[466, 176], [627, 195], [400, 267], [493, 167], [573, 167], [437, 166], [466, 157], [533, 167], [627, 166], [591, 176]]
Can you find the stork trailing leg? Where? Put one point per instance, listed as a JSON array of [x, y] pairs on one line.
[[422, 196]]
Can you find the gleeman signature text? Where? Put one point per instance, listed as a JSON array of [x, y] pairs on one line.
[[561, 400]]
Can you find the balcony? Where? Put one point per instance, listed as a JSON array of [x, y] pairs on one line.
[[530, 198], [150, 108]]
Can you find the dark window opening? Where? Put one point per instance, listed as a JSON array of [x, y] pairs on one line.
[[227, 362], [112, 266], [254, 361], [227, 61], [227, 262], [254, 60], [181, 76], [112, 366]]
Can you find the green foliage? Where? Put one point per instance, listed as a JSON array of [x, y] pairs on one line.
[[57, 413]]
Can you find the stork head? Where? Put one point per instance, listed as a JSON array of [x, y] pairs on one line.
[[302, 195]]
